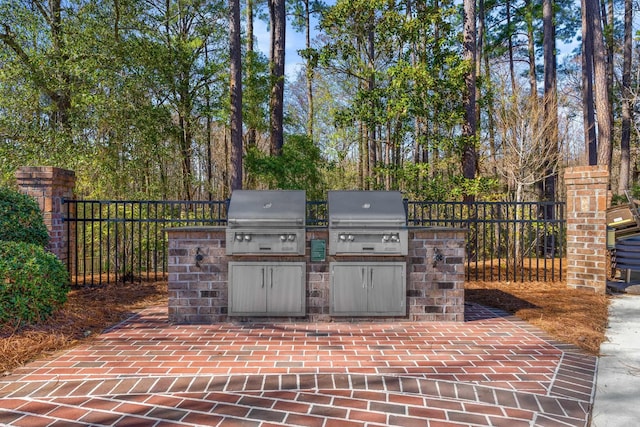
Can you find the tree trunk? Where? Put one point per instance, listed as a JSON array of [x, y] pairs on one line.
[[309, 70], [57, 86], [276, 101], [397, 157], [184, 104], [512, 72], [185, 153], [625, 139], [235, 68], [363, 152], [479, 54], [369, 153], [418, 121], [588, 108], [62, 97], [227, 163], [371, 127], [469, 155], [251, 132], [531, 50], [388, 156], [208, 130], [550, 98], [601, 90], [607, 25]]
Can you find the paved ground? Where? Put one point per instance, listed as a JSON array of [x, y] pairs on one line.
[[491, 370], [618, 379]]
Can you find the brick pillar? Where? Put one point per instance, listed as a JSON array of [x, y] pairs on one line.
[[49, 186], [587, 201]]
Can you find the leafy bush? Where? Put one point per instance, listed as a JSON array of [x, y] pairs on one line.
[[296, 168], [21, 219], [33, 283]]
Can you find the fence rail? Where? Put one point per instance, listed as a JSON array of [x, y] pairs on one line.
[[125, 240]]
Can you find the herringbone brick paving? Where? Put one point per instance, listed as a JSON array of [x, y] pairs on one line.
[[491, 370]]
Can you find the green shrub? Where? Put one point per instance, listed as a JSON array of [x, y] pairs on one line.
[[33, 283], [21, 218]]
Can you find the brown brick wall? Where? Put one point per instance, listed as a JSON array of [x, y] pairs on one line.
[[436, 275], [49, 186], [198, 292], [587, 202]]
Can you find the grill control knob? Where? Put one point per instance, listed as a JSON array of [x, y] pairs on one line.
[[239, 237], [283, 237], [351, 237], [291, 237], [385, 238], [395, 238], [247, 237], [342, 237]]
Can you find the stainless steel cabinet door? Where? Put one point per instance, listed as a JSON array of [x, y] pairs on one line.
[[368, 289], [348, 288], [286, 292], [247, 288], [267, 289], [387, 292]]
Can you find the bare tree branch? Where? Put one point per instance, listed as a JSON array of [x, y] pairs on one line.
[[523, 126]]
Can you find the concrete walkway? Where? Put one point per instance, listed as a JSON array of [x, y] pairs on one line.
[[618, 381], [491, 370]]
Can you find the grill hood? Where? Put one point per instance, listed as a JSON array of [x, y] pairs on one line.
[[366, 209], [267, 208]]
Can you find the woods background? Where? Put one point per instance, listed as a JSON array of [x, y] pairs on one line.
[[148, 99]]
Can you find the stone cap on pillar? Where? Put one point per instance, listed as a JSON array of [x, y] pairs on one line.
[[30, 175]]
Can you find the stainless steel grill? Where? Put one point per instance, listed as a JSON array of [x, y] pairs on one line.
[[367, 222], [266, 222]]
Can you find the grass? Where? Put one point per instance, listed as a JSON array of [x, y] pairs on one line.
[[574, 316]]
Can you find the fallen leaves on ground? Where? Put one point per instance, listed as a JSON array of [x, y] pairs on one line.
[[574, 316], [88, 311]]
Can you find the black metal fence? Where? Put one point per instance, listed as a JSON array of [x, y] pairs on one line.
[[506, 240], [113, 241]]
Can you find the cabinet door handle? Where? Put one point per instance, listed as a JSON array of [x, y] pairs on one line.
[[364, 279], [371, 277], [263, 277], [271, 272]]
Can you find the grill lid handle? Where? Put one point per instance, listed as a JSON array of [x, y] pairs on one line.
[[338, 221], [297, 221]]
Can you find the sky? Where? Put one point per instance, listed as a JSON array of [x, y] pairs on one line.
[[295, 42]]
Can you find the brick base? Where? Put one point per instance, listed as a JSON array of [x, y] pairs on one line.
[[198, 291]]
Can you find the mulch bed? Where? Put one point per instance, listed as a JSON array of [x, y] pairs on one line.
[[576, 316], [88, 311]]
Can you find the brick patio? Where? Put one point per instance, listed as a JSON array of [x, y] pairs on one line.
[[491, 370]]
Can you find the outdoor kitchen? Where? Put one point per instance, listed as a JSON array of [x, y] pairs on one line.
[[268, 265]]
